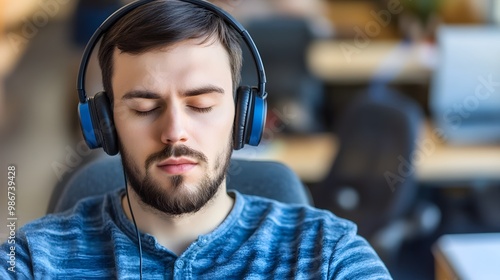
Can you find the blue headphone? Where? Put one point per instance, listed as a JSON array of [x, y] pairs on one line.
[[96, 115]]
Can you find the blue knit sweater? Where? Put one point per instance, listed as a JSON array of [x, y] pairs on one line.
[[260, 239]]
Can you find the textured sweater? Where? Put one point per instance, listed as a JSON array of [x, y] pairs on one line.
[[259, 239]]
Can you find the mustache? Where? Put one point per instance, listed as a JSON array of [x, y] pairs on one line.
[[175, 151]]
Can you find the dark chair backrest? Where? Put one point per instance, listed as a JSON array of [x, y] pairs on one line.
[[283, 43], [371, 181], [262, 178]]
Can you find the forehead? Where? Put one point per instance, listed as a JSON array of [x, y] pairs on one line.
[[185, 63]]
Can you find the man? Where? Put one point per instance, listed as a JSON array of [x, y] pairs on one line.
[[170, 69]]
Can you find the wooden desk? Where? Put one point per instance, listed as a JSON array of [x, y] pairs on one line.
[[341, 62], [311, 157], [308, 156], [467, 256], [446, 164]]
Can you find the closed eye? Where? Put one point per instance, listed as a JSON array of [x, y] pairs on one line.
[[145, 113], [201, 110]]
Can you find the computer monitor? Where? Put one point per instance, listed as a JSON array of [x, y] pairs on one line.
[[465, 87]]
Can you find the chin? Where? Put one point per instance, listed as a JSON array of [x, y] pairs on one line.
[[177, 195]]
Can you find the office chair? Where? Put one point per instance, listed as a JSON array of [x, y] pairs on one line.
[[377, 134], [262, 178], [283, 45]]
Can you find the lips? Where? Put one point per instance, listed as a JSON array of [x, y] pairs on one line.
[[176, 166]]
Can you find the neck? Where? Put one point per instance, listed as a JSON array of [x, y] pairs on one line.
[[177, 232]]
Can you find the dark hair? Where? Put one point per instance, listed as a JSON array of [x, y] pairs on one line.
[[162, 23]]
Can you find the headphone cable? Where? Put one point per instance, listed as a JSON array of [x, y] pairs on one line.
[[135, 226]]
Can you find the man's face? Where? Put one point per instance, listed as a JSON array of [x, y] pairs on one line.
[[174, 113]]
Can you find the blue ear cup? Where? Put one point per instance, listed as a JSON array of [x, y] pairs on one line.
[[258, 118], [96, 121], [86, 125], [249, 118]]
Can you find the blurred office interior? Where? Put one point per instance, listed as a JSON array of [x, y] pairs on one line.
[[388, 110]]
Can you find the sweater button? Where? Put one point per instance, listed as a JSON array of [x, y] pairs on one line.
[[179, 264]]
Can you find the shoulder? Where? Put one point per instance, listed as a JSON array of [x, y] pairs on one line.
[[288, 213], [87, 215], [45, 245], [259, 210], [318, 233]]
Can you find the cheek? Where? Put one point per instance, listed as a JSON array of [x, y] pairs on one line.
[[215, 131], [133, 137]]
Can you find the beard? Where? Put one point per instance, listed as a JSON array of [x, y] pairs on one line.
[[178, 198]]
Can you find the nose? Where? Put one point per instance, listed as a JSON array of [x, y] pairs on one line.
[[173, 127]]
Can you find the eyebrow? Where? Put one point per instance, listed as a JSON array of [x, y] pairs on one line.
[[141, 94], [191, 92], [203, 90]]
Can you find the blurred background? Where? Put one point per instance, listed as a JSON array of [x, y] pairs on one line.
[[388, 110]]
